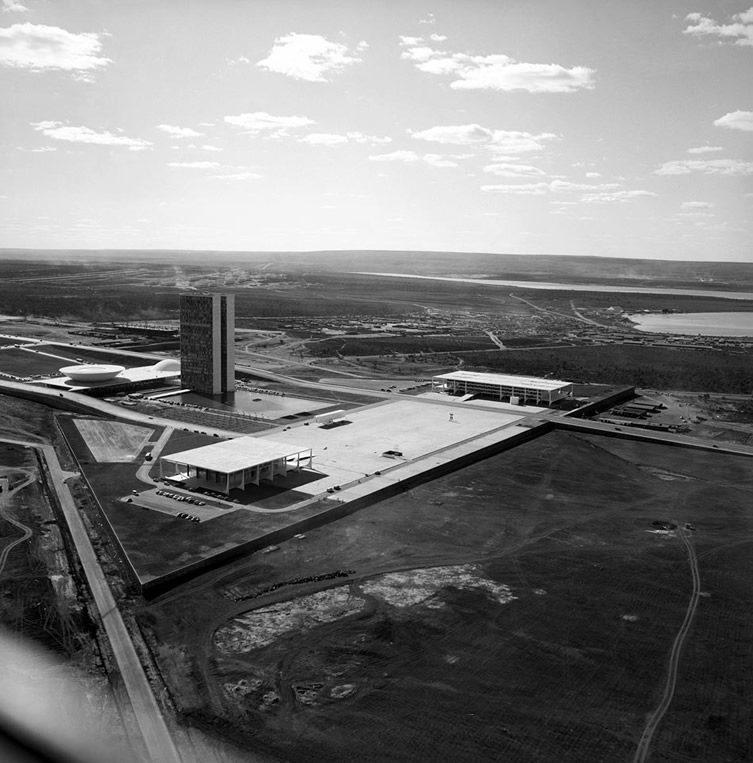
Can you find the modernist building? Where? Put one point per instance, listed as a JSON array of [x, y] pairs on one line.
[[101, 380], [237, 463], [519, 389], [207, 333]]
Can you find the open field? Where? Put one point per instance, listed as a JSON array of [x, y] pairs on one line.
[[24, 419], [23, 363], [299, 285], [567, 667], [34, 266], [111, 441], [655, 367], [405, 344], [97, 356]]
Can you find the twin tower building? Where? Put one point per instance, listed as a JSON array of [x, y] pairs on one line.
[[207, 349]]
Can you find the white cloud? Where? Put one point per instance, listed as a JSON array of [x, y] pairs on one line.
[[492, 74], [521, 189], [565, 185], [736, 120], [500, 141], [259, 122], [13, 6], [245, 175], [437, 37], [704, 149], [593, 174], [619, 196], [461, 135], [695, 205], [309, 57], [179, 132], [208, 147], [509, 170], [696, 209], [337, 139], [324, 139], [60, 131], [201, 165], [38, 47], [738, 32], [438, 160], [554, 186], [496, 71], [359, 137], [730, 167], [396, 156]]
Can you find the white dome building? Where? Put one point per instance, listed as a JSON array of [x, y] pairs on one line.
[[91, 372], [169, 365]]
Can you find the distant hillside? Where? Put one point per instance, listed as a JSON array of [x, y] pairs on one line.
[[565, 268]]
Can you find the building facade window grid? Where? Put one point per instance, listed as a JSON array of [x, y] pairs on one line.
[[207, 332]]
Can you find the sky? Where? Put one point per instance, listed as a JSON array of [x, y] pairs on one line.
[[619, 128]]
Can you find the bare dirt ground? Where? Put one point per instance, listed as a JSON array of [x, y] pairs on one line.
[[722, 417], [522, 608], [41, 603], [113, 440]]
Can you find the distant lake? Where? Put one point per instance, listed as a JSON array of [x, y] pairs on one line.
[[577, 286], [705, 324]]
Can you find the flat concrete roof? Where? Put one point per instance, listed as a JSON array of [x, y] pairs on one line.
[[505, 380], [235, 455]]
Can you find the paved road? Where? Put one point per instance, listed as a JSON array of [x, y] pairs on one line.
[[638, 433], [644, 744], [157, 739], [142, 473], [274, 376], [52, 397], [588, 320]]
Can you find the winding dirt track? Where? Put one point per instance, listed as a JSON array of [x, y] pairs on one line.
[[644, 744], [8, 518], [158, 741]]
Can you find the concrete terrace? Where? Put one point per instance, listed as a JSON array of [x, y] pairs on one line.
[[414, 428]]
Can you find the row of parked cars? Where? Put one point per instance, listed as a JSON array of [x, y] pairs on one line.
[[183, 515], [181, 498], [212, 493]]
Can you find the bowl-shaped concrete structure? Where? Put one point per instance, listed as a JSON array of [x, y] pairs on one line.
[[90, 372], [169, 364]]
